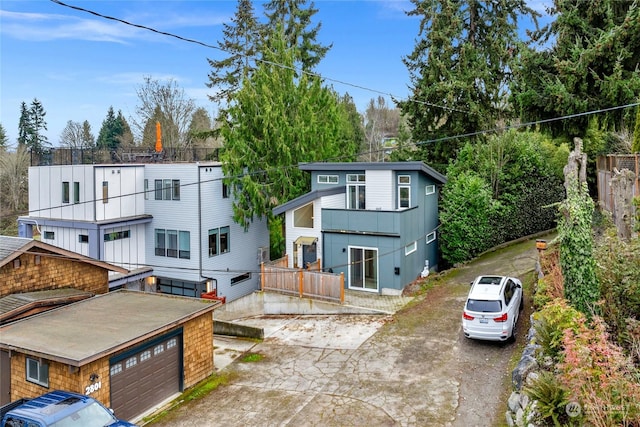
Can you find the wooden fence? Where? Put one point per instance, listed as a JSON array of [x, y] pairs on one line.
[[303, 283], [605, 167]]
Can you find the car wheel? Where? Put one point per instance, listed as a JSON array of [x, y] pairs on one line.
[[512, 338]]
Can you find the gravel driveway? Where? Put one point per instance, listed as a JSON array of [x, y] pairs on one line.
[[414, 368]]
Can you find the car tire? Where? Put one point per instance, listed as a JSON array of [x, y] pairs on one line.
[[512, 338]]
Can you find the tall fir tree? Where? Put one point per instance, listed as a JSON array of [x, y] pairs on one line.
[[88, 139], [592, 64], [25, 129], [459, 70], [4, 139], [240, 42], [294, 16], [109, 132]]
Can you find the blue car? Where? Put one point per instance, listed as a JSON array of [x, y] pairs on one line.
[[60, 409]]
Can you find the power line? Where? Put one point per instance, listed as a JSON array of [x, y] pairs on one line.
[[198, 42]]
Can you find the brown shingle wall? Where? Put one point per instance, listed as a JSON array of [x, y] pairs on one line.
[[198, 349], [53, 272], [61, 377]]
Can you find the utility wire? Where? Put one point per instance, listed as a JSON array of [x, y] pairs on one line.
[[298, 70]]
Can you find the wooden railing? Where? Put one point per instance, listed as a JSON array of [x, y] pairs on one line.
[[303, 283]]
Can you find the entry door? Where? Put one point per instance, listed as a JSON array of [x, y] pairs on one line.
[[309, 255], [363, 268], [5, 377]]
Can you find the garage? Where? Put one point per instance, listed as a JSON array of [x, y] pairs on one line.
[[146, 375], [130, 350]]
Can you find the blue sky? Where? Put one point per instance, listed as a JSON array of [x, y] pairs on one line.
[[78, 64]]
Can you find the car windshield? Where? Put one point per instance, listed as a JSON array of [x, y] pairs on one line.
[[484, 306], [92, 415]]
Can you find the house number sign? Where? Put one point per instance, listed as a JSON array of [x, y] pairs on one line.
[[93, 387]]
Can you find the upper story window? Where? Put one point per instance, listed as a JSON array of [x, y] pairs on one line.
[[327, 179], [356, 191], [146, 189], [404, 191], [218, 241], [429, 189], [76, 192], [430, 237], [167, 189], [117, 235], [105, 191], [303, 216], [65, 192], [49, 235], [225, 191], [173, 243]]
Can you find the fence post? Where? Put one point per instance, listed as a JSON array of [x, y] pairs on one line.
[[301, 281], [262, 276], [342, 288]]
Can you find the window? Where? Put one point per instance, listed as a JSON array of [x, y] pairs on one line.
[[431, 237], [83, 238], [429, 189], [158, 189], [65, 192], [176, 189], [410, 248], [49, 235], [172, 243], [158, 349], [241, 278], [404, 179], [117, 235], [105, 191], [132, 361], [327, 179], [146, 189], [166, 186], [213, 242], [37, 372], [224, 240], [218, 241], [161, 249], [166, 189], [225, 191], [145, 355], [172, 343], [115, 369], [303, 217], [76, 192], [404, 197], [356, 194], [17, 263], [185, 245]]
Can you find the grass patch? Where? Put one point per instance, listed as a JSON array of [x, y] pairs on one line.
[[196, 392], [252, 357]]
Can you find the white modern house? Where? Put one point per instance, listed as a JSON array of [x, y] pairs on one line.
[[176, 218]]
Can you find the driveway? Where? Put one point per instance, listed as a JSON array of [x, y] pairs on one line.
[[412, 368]]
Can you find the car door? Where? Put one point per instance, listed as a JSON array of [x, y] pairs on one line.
[[515, 294]]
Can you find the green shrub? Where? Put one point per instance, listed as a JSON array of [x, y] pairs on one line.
[[550, 324], [552, 399]]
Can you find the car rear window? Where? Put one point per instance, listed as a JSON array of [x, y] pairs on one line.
[[484, 306]]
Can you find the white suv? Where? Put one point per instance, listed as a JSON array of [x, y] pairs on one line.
[[492, 308]]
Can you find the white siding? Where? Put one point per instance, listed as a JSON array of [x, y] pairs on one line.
[[66, 238], [126, 188], [380, 190], [128, 252]]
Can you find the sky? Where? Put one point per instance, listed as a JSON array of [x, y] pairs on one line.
[[78, 64]]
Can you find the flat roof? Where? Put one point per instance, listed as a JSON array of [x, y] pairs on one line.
[[82, 332]]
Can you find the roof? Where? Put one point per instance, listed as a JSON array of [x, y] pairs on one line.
[[12, 306], [79, 333], [397, 166], [18, 246], [308, 198], [487, 287]]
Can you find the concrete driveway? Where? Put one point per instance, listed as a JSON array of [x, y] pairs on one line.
[[411, 368]]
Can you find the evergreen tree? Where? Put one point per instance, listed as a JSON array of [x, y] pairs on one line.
[[295, 19], [87, 137], [240, 41], [593, 64], [109, 132], [25, 129], [459, 70], [4, 139], [635, 145], [200, 128], [125, 136], [38, 124], [275, 121]]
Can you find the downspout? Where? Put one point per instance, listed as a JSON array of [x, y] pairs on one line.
[[202, 276]]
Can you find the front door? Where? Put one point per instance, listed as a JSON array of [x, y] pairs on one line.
[[309, 255], [363, 268]]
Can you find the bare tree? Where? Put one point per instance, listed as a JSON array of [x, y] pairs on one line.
[[14, 167], [71, 135], [175, 108], [380, 122]]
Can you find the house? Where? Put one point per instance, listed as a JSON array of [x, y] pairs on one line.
[[176, 218], [375, 222], [130, 350]]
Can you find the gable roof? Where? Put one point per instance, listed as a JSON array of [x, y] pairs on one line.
[[12, 247], [308, 198], [396, 166], [15, 306]]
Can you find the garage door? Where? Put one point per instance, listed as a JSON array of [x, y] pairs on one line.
[[145, 376]]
